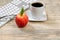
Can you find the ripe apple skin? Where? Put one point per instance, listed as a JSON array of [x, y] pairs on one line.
[[21, 21]]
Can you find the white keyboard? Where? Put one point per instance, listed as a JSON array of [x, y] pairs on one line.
[[9, 11]]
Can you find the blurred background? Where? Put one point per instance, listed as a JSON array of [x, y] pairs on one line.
[[3, 2]]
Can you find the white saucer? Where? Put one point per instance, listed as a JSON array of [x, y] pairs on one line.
[[43, 18]]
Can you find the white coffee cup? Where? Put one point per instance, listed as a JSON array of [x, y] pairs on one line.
[[37, 9]]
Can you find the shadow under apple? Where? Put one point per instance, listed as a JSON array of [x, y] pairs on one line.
[[28, 29]]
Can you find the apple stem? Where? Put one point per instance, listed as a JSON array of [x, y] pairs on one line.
[[22, 11]]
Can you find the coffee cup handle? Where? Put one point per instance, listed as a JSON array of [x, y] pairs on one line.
[[28, 7]]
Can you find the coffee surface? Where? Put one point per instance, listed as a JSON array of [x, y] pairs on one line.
[[37, 4]]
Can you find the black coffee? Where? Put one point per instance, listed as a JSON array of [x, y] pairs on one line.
[[37, 4]]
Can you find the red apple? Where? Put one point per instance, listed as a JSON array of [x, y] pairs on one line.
[[21, 19]]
